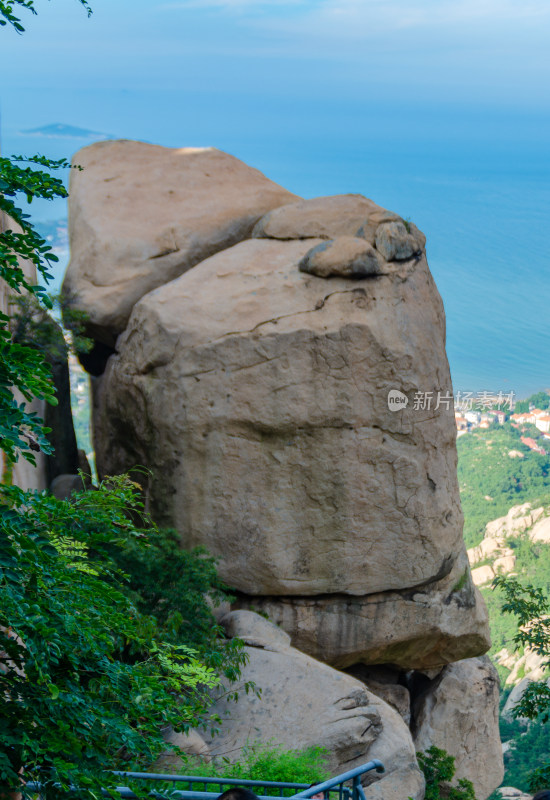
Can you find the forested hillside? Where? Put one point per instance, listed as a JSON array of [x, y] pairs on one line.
[[496, 471]]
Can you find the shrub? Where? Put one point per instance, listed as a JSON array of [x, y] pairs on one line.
[[439, 769], [267, 762]]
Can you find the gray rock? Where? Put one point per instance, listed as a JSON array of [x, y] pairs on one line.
[[346, 256], [459, 713], [383, 681], [305, 703], [424, 629], [142, 214], [63, 486], [395, 243], [191, 744], [257, 397], [254, 630]]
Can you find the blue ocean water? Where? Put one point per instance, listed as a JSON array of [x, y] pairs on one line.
[[475, 180]]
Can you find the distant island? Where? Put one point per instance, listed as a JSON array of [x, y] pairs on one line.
[[59, 131]]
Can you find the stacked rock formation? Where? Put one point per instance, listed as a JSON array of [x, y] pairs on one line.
[[259, 338]]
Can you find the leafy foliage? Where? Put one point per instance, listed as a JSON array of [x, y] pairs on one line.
[[87, 680], [10, 8], [439, 769], [173, 585], [533, 567], [32, 325], [268, 762], [526, 762], [531, 608], [22, 367]]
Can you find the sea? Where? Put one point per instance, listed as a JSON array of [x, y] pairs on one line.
[[475, 179]]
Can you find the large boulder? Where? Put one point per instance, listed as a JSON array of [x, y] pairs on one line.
[[142, 214], [304, 703], [258, 396], [459, 713]]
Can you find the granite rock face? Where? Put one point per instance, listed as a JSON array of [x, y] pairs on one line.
[[257, 394], [421, 629], [283, 376], [346, 256], [459, 713], [305, 703], [142, 214]]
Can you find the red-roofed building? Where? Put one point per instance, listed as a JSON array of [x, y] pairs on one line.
[[532, 445]]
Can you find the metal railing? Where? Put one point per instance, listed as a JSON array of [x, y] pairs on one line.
[[333, 788]]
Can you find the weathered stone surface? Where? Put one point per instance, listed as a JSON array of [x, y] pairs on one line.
[[63, 486], [530, 665], [325, 218], [142, 214], [254, 630], [514, 522], [421, 629], [540, 532], [511, 793], [192, 744], [305, 703], [483, 575], [535, 523], [384, 683], [346, 256], [514, 697], [396, 243], [257, 396], [459, 714]]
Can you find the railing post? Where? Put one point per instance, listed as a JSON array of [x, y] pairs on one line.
[[355, 790]]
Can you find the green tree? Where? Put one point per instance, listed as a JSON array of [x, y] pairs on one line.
[[87, 681], [439, 770], [87, 678], [531, 608]]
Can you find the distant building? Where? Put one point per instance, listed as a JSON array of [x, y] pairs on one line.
[[461, 423], [543, 422]]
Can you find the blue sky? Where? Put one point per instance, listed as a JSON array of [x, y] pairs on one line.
[[475, 51]]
